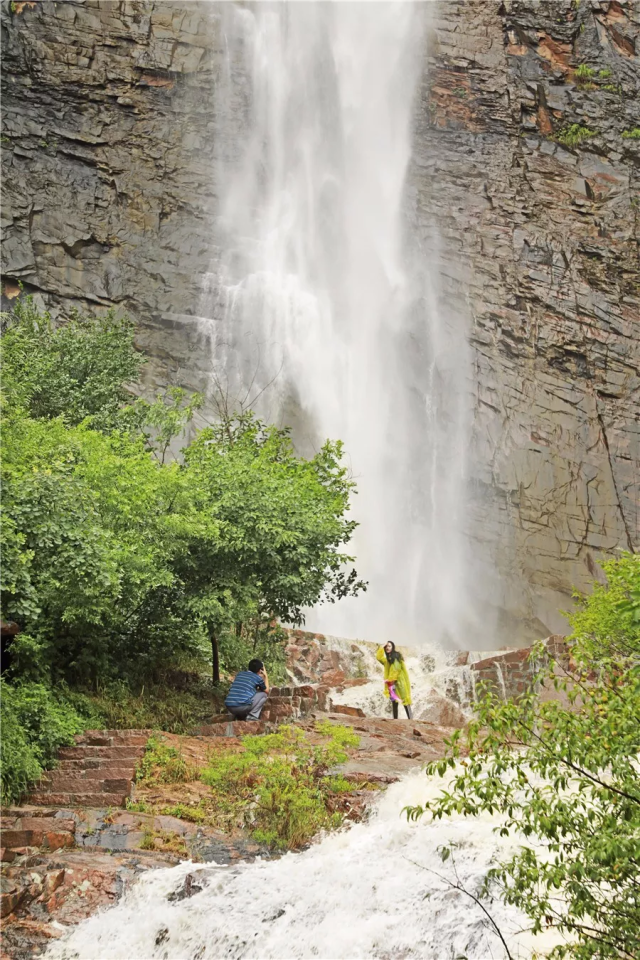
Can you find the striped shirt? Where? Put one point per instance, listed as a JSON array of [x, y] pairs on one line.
[[243, 688]]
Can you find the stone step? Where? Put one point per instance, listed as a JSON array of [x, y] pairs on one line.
[[233, 728], [79, 799], [111, 739], [89, 784], [110, 770], [94, 764], [54, 838], [123, 751]]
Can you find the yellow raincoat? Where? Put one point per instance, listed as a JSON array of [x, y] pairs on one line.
[[398, 673]]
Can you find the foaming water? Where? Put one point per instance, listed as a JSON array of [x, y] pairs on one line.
[[366, 892], [322, 307], [433, 676]]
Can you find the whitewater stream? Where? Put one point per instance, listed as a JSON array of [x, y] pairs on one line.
[[364, 892]]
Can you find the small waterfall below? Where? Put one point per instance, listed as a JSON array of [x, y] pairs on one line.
[[366, 892], [322, 306]]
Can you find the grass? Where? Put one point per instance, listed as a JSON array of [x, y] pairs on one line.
[[633, 134], [176, 706], [279, 787], [164, 841], [162, 763], [574, 135]]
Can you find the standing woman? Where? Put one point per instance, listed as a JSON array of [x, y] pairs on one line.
[[397, 686]]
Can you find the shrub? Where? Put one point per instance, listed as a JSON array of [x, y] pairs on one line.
[[632, 134], [277, 786], [157, 706], [574, 135], [35, 723], [584, 72]]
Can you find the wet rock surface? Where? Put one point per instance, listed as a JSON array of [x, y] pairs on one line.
[[44, 890], [538, 230]]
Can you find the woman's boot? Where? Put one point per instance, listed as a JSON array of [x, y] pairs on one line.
[[409, 713], [394, 707]]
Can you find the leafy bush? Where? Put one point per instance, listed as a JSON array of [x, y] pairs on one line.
[[35, 723], [76, 370], [277, 786], [574, 135], [162, 763], [571, 782]]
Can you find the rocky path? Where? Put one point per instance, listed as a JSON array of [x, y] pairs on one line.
[[63, 860], [77, 843]]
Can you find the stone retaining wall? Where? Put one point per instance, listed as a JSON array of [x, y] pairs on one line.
[[512, 673]]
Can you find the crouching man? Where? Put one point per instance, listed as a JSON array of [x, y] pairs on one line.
[[248, 692]]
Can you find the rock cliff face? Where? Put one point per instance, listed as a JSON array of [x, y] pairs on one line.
[[526, 161]]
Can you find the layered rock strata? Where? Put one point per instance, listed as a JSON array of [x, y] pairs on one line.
[[525, 162]]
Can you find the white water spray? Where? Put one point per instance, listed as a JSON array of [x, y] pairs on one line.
[[367, 892], [323, 312]]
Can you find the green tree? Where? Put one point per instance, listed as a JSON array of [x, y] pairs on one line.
[[281, 525], [117, 560], [76, 370], [560, 765]]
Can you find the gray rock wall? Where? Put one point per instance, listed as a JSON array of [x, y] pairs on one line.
[[540, 238], [107, 150], [109, 143]]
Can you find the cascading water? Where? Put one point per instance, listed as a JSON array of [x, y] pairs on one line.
[[368, 892], [322, 309]]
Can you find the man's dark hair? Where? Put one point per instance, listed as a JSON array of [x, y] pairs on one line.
[[255, 666]]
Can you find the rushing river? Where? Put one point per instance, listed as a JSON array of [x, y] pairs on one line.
[[365, 892]]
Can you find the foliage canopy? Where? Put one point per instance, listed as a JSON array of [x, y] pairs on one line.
[[120, 563]]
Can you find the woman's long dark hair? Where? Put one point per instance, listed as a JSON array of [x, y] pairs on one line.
[[394, 655]]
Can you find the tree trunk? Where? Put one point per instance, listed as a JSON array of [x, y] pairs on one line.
[[215, 658]]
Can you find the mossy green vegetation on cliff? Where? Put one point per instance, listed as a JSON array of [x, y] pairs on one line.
[[561, 767], [122, 566]]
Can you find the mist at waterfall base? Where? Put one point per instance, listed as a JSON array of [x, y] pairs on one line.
[[323, 308], [368, 892]]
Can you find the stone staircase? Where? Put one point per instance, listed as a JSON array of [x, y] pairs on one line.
[[97, 772]]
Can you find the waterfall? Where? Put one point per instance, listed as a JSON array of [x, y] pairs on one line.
[[369, 891], [322, 309]]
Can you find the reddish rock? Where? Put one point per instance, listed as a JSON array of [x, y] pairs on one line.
[[442, 712], [57, 841], [347, 710], [43, 824], [333, 678], [10, 897], [52, 881]]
